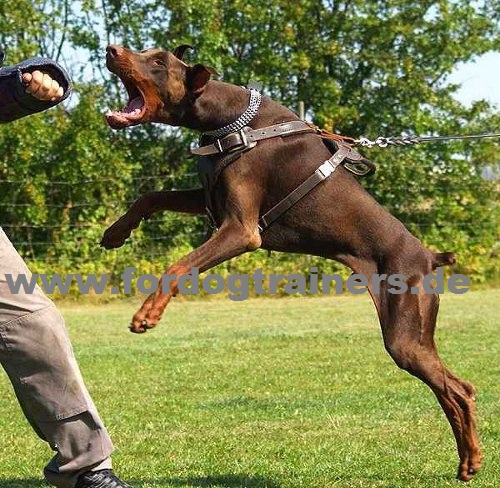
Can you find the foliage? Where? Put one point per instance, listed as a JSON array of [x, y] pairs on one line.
[[361, 67]]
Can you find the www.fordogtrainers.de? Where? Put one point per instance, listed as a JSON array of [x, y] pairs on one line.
[[239, 286]]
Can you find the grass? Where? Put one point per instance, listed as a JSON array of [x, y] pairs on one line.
[[270, 393]]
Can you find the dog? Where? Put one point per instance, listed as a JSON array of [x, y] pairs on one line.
[[337, 219]]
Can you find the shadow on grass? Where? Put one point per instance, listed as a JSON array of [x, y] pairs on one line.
[[226, 481], [20, 483]]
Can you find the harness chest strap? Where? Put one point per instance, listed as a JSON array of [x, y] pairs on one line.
[[321, 174], [247, 137]]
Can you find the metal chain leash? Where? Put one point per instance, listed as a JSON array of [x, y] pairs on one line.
[[384, 142]]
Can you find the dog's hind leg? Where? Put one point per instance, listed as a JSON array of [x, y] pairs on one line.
[[186, 201], [408, 322]]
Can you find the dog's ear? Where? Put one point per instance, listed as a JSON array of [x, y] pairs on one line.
[[197, 78], [212, 71], [179, 51]]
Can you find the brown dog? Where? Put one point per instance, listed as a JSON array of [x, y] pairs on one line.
[[338, 219]]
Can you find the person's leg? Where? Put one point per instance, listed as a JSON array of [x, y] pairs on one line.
[[37, 355]]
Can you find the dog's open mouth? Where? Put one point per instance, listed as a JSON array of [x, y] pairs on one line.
[[133, 113]]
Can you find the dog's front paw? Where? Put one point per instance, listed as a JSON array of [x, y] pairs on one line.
[[116, 235], [139, 326]]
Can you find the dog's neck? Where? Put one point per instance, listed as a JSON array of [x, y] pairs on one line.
[[222, 103], [219, 105]]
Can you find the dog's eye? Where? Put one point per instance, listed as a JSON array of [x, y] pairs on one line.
[[159, 62]]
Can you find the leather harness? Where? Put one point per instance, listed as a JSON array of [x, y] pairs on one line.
[[247, 138], [234, 144]]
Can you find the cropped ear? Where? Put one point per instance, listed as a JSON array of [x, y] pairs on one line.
[[212, 71], [197, 78], [179, 51]]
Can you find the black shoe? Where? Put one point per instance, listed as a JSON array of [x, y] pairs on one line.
[[104, 478]]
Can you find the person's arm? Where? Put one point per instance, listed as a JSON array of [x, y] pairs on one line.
[[30, 87]]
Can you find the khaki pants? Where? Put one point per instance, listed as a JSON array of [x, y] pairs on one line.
[[36, 353]]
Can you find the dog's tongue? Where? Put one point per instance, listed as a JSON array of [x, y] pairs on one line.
[[132, 112], [134, 105]]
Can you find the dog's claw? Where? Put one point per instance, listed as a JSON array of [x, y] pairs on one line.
[[137, 330], [144, 326], [147, 325]]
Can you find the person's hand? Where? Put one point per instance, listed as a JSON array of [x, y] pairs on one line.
[[42, 86]]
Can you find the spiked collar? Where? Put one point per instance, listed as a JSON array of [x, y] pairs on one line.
[[243, 120]]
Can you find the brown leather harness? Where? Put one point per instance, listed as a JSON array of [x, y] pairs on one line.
[[234, 144]]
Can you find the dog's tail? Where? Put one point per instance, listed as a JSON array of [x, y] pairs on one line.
[[443, 259]]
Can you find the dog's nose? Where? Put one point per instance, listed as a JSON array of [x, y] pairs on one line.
[[114, 51]]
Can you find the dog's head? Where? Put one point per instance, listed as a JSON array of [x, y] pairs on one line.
[[161, 87]]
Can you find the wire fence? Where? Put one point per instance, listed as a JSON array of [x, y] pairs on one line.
[[35, 239], [48, 234]]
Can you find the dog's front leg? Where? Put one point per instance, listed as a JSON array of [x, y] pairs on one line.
[[187, 201], [232, 239]]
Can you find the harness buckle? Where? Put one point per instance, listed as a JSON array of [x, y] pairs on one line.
[[218, 146], [244, 142], [326, 169]]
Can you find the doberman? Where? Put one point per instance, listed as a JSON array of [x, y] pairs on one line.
[[338, 219]]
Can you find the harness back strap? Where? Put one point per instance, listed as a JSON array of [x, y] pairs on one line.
[[322, 173], [247, 137]]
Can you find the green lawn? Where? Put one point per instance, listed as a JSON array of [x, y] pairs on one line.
[[292, 392]]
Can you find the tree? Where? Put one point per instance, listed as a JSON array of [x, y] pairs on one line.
[[362, 68]]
